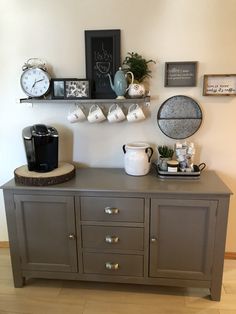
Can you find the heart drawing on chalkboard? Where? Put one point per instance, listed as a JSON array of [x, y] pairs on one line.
[[103, 67]]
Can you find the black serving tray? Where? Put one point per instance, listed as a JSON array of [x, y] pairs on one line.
[[195, 174]]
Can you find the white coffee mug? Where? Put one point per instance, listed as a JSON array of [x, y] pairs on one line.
[[115, 113], [95, 114], [76, 115], [135, 113]]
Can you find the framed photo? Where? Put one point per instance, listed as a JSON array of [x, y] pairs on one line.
[[180, 74], [219, 85], [77, 89], [102, 50], [58, 88]]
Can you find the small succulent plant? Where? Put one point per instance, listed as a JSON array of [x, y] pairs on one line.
[[165, 151]]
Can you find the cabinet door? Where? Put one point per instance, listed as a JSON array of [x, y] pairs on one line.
[[182, 238], [46, 232]]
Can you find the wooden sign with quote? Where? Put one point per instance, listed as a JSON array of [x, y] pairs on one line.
[[219, 85], [180, 74]]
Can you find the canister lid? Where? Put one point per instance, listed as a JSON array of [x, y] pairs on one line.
[[172, 163]]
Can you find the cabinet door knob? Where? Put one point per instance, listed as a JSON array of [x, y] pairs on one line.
[[112, 266], [153, 239], [71, 236], [111, 210], [111, 239]]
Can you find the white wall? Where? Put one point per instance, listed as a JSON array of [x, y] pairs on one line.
[[165, 30]]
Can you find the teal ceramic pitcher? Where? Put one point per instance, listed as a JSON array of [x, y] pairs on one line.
[[120, 83]]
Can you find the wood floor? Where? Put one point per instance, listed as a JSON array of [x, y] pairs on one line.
[[69, 297]]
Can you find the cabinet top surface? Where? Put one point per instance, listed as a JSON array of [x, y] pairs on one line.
[[116, 180]]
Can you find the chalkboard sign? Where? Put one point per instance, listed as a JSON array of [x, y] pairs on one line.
[[180, 74], [102, 48]]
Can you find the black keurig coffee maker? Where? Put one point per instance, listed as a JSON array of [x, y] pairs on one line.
[[41, 147]]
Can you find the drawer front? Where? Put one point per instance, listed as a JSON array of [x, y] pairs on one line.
[[112, 209], [113, 264], [104, 237]]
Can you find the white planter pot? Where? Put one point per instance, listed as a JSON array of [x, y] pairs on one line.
[[137, 158]]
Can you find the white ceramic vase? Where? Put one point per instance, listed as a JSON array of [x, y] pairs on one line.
[[137, 158]]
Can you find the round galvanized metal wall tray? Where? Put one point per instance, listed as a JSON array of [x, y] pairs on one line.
[[179, 117]]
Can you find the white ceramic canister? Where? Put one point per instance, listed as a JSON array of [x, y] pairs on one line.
[[137, 158], [136, 90]]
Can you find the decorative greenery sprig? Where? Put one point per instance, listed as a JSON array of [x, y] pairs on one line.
[[138, 66], [165, 151]]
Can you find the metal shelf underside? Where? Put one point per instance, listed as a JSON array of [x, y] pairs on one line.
[[85, 101]]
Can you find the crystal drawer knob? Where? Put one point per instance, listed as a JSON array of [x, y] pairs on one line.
[[111, 239], [112, 266], [111, 210]]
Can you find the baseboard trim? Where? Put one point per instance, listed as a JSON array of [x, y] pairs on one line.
[[230, 255], [4, 244]]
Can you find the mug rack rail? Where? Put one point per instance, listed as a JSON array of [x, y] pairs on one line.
[[143, 100]]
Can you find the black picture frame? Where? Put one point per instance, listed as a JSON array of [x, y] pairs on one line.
[[58, 88], [180, 74], [102, 52], [77, 89]]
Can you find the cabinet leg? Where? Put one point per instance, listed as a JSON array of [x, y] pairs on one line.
[[19, 281], [215, 293]]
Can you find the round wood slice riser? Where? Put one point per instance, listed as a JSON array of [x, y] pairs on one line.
[[63, 173]]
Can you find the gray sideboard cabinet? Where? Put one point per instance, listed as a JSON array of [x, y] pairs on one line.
[[104, 225]]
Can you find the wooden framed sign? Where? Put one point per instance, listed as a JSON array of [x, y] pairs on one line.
[[102, 48], [178, 74], [219, 85]]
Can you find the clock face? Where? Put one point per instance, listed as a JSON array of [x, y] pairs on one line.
[[35, 82]]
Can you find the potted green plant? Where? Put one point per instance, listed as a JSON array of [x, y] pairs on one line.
[[138, 65], [165, 153]]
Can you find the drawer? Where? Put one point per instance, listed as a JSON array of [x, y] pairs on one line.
[[104, 237], [113, 264], [112, 209]]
